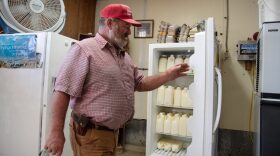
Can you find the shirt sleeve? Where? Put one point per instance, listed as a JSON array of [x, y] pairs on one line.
[[73, 72]]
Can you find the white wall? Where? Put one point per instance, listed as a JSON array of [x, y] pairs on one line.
[[243, 16]]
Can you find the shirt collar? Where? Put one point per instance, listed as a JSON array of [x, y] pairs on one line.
[[102, 43]]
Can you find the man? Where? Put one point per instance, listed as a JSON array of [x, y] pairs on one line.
[[98, 80]]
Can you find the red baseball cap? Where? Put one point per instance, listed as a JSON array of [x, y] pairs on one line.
[[120, 11]]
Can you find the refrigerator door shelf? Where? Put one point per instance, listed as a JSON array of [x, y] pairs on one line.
[[187, 108], [178, 137], [159, 152]]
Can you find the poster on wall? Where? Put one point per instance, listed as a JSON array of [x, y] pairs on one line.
[[18, 51]]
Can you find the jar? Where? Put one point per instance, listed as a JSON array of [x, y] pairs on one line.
[[162, 63], [177, 97], [170, 61], [169, 95], [160, 95], [179, 59]]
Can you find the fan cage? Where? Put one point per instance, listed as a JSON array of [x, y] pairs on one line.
[[33, 15]]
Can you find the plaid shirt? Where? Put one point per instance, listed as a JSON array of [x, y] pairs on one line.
[[100, 83]]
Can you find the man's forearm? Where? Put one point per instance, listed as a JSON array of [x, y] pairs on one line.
[[153, 82], [58, 111]]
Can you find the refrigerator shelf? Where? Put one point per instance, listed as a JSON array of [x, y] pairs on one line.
[[188, 108], [159, 152], [185, 138]]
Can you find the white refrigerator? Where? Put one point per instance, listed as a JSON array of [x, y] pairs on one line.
[[204, 90], [29, 63]]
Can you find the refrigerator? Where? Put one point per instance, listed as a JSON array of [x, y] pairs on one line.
[[267, 99], [198, 135], [29, 63]]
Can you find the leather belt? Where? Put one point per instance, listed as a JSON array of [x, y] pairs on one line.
[[84, 121]]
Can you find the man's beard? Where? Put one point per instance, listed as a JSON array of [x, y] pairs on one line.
[[117, 41]]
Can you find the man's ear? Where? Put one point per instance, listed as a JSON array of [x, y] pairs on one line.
[[109, 23]]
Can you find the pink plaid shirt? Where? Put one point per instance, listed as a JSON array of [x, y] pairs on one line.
[[101, 84]]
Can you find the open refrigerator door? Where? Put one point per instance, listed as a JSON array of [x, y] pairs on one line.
[[181, 113]]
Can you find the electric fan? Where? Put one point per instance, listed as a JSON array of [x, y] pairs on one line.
[[32, 15]]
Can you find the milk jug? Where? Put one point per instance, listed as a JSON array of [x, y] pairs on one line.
[[185, 99], [175, 124], [169, 95], [160, 95], [179, 59], [170, 61], [167, 123], [160, 122], [187, 60], [183, 125], [177, 97], [189, 133], [162, 63], [188, 99]]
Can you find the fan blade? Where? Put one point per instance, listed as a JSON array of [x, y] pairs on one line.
[[34, 22], [19, 11], [26, 21]]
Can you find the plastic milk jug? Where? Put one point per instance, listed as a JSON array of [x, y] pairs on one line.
[[162, 63], [170, 61], [183, 125], [160, 122], [167, 123], [169, 95], [179, 59], [160, 95], [188, 130], [177, 97], [175, 124]]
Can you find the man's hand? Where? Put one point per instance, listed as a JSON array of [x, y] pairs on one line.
[[55, 142], [177, 71]]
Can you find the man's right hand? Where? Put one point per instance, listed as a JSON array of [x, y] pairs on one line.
[[55, 142]]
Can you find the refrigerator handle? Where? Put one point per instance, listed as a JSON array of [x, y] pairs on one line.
[[217, 120]]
